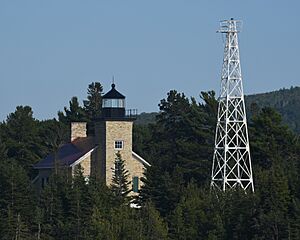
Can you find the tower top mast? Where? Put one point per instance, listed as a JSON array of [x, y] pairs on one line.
[[230, 26]]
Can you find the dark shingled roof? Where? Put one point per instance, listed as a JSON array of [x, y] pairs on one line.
[[113, 93], [68, 153]]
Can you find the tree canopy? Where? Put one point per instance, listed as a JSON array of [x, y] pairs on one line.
[[175, 201]]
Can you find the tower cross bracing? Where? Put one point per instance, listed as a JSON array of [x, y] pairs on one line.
[[231, 161]]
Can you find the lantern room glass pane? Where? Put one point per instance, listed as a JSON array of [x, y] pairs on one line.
[[113, 103]]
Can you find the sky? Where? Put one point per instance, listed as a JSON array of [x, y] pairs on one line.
[[51, 50]]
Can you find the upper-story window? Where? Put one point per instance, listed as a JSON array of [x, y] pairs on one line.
[[119, 144], [113, 103]]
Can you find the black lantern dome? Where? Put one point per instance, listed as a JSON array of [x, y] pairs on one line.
[[113, 104]]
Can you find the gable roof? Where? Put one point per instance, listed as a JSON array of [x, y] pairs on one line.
[[73, 153], [68, 153]]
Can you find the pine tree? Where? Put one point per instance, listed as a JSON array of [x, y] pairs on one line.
[[93, 104], [38, 222], [20, 135], [120, 183], [102, 202], [100, 227], [75, 113], [294, 219], [16, 200], [153, 226], [54, 202], [274, 201], [183, 136], [162, 189], [196, 216], [55, 136], [239, 212], [79, 203]]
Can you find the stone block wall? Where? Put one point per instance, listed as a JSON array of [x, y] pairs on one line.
[[78, 129], [86, 165], [106, 133], [118, 130], [136, 169]]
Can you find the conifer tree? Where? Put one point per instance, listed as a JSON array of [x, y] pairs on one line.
[[79, 203], [153, 226], [16, 200], [294, 219], [162, 189], [274, 201], [53, 201], [183, 136], [75, 113], [102, 202], [54, 139], [196, 216], [120, 182], [20, 135], [93, 104], [38, 222]]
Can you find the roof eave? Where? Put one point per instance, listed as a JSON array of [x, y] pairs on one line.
[[141, 159]]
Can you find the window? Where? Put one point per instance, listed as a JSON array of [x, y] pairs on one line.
[[113, 103], [135, 184], [119, 144]]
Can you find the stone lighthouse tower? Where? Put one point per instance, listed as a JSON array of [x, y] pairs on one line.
[[113, 133]]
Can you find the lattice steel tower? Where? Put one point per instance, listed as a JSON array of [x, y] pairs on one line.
[[231, 160]]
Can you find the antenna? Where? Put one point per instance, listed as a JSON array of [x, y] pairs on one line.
[[231, 161]]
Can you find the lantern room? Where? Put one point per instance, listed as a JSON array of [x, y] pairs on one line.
[[113, 104]]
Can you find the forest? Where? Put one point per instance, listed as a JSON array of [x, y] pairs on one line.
[[175, 202]]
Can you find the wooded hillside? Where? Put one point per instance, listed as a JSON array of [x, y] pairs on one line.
[[285, 101]]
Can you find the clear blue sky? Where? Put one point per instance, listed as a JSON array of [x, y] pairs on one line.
[[51, 50]]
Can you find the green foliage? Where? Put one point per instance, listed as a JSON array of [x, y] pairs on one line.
[[53, 202], [16, 200], [161, 189], [285, 101], [153, 226], [141, 137], [120, 183], [79, 211], [93, 104], [145, 118], [21, 137], [175, 201], [184, 137], [175, 146], [196, 216], [75, 113], [180, 146]]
